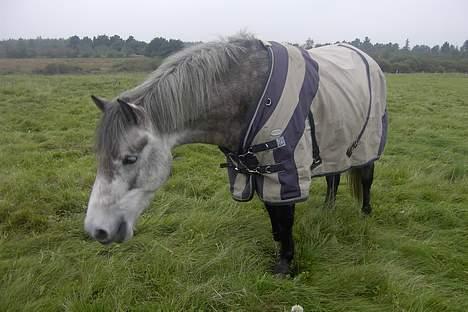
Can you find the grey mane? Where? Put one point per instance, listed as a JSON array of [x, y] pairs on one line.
[[181, 89], [178, 92]]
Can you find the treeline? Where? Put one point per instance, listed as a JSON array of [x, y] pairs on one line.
[[390, 56], [100, 46], [420, 58]]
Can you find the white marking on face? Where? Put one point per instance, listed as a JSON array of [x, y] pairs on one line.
[[118, 199]]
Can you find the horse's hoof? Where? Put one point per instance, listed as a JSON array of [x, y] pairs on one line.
[[367, 210], [329, 202], [281, 268]]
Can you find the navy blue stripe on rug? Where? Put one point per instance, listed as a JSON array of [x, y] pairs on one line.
[[253, 107], [272, 95], [247, 192], [289, 178]]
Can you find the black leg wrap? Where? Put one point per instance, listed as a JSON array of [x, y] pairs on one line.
[[274, 224], [282, 220], [366, 209], [282, 267]]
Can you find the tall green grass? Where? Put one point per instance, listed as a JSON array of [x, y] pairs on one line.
[[197, 250]]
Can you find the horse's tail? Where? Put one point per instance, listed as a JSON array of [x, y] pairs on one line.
[[355, 183]]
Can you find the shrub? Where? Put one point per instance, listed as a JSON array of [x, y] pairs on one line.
[[137, 65], [59, 68]]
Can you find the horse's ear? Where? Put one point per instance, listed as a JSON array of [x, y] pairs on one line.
[[100, 103], [128, 111]]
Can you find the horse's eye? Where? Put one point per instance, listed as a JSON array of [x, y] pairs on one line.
[[129, 159]]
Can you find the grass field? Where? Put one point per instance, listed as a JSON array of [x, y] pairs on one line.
[[197, 250], [77, 65]]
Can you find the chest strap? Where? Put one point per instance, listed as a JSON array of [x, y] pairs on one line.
[[248, 163]]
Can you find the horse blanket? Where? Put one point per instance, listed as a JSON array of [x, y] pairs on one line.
[[322, 112]]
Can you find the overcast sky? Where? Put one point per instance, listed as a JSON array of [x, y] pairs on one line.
[[422, 21]]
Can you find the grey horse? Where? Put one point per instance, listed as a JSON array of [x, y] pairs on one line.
[[199, 95]]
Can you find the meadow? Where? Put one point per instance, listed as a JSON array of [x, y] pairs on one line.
[[94, 65], [195, 249]]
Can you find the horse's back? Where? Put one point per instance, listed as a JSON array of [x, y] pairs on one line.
[[350, 81]]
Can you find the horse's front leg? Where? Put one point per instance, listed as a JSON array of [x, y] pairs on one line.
[[282, 221]]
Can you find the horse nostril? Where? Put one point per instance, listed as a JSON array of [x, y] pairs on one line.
[[121, 232], [101, 235]]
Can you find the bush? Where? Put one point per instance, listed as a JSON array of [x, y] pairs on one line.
[[59, 68], [137, 65]]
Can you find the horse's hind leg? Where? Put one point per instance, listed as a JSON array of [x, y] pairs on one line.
[[332, 187], [367, 176], [282, 220]]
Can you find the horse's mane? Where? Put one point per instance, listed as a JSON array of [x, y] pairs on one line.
[[178, 91], [181, 89]]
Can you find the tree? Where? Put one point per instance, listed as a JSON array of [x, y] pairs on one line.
[[464, 48], [86, 47], [367, 45], [21, 49], [116, 43], [356, 42], [309, 44], [101, 40], [445, 49], [162, 47], [74, 43], [407, 46], [421, 49], [134, 46]]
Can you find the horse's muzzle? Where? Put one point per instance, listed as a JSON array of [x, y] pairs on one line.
[[104, 236]]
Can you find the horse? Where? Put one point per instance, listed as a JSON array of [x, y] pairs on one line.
[[202, 94]]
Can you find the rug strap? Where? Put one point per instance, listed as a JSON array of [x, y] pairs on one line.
[[248, 163], [316, 160]]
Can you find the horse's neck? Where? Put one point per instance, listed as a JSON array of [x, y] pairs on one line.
[[237, 92]]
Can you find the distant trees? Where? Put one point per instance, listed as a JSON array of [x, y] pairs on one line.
[[163, 47], [309, 44], [445, 48], [367, 45], [406, 47], [421, 49], [419, 58], [133, 46], [390, 56], [99, 46], [464, 47]]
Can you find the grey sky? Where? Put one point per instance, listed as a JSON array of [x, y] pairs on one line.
[[422, 21]]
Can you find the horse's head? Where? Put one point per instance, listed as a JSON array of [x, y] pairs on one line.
[[132, 163]]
